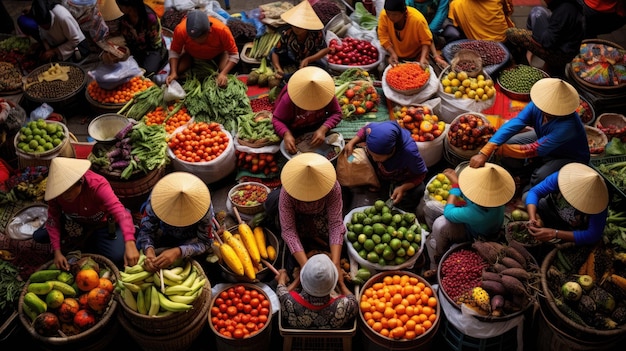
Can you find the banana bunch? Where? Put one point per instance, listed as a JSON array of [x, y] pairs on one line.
[[55, 72], [242, 252], [160, 293], [31, 191]]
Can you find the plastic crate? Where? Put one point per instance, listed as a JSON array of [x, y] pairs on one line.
[[595, 162]]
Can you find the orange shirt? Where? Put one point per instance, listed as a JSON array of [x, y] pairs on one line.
[[220, 39]]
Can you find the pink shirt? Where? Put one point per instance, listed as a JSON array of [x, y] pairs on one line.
[[91, 208], [288, 207]]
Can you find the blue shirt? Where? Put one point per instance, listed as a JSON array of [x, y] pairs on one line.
[[589, 228], [479, 221]]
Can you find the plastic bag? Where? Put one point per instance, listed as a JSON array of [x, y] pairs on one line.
[[23, 225], [356, 170], [41, 112], [214, 9], [174, 91], [111, 76], [253, 17], [363, 17]]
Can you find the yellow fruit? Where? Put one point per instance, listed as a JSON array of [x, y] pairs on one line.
[[480, 77], [451, 75], [455, 82], [480, 92], [485, 97], [441, 177], [448, 90], [466, 82], [482, 84], [474, 85], [471, 94], [489, 82], [458, 95], [462, 75], [445, 82], [271, 253]]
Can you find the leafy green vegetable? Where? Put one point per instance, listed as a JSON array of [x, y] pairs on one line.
[[615, 147], [363, 17], [10, 287]]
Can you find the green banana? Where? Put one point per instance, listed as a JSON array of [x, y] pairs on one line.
[[129, 299], [176, 290], [138, 268], [141, 306], [186, 270], [135, 277], [132, 287], [184, 298], [172, 306], [170, 275], [190, 279], [197, 285], [155, 305]]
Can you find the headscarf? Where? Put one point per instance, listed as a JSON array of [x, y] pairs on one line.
[[382, 137]]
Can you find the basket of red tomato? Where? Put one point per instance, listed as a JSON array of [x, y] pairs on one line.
[[351, 52]]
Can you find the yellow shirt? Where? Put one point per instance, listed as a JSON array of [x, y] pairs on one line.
[[480, 19], [413, 36]]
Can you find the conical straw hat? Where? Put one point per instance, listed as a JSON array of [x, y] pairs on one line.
[[583, 188], [63, 173], [303, 16], [109, 10], [308, 177], [488, 186], [180, 199], [311, 88], [555, 96]]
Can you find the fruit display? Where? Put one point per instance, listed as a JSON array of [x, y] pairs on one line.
[[60, 303], [462, 86], [351, 52], [172, 117], [161, 293], [54, 81], [210, 141], [10, 77], [587, 286], [470, 131], [491, 52], [249, 194], [612, 125], [264, 163], [121, 94], [438, 188], [380, 237], [585, 111], [493, 279], [256, 129], [519, 79], [407, 77], [40, 136], [420, 120], [240, 311], [357, 98], [410, 311], [242, 248]]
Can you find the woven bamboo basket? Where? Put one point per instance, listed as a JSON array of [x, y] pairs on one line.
[[170, 340], [585, 83], [464, 155], [564, 323], [465, 58], [57, 91], [170, 324], [95, 338], [527, 241], [612, 125], [597, 140]]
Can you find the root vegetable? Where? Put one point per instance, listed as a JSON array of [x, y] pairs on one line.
[[571, 291], [518, 273], [512, 252], [493, 287], [491, 276], [486, 251], [510, 262], [513, 285]]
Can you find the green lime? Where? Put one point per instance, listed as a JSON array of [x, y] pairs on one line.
[[363, 254], [401, 252], [40, 149], [410, 251], [385, 238], [386, 217], [395, 244], [418, 238], [361, 238], [352, 237], [368, 230], [379, 229], [391, 230], [377, 218], [349, 226], [399, 234], [397, 218], [409, 217], [36, 131], [51, 128], [48, 146], [380, 248], [372, 257], [33, 144], [388, 253], [367, 221], [382, 262], [41, 123], [357, 228], [399, 260], [386, 209], [369, 245], [357, 246], [378, 205], [360, 216], [416, 246], [376, 238], [54, 298], [26, 131], [409, 236], [24, 137], [60, 134], [406, 244]]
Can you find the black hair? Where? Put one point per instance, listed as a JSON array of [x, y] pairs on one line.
[[138, 5]]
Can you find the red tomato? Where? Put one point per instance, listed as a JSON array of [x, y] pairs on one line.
[[232, 311], [254, 293], [240, 289], [246, 298], [264, 311], [238, 334], [223, 307], [255, 302], [224, 295]]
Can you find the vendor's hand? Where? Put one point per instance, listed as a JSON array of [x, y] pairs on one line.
[[279, 74], [167, 257], [397, 195], [131, 254], [48, 54], [441, 62], [290, 143], [171, 77], [222, 80], [451, 175], [424, 62], [348, 149], [304, 62], [60, 261], [478, 160], [541, 234], [319, 137], [393, 59], [282, 277], [148, 263]]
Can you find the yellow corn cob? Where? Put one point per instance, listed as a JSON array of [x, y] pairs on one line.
[[259, 236], [481, 297], [231, 259], [241, 252], [249, 241], [271, 253]]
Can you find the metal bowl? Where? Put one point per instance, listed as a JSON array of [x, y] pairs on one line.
[[104, 127], [331, 152]]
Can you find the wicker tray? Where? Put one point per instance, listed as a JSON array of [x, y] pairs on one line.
[[450, 50], [596, 139], [100, 107], [409, 91], [607, 119], [57, 91], [462, 56], [97, 336], [586, 84]]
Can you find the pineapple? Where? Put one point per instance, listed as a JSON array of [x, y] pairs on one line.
[[481, 297]]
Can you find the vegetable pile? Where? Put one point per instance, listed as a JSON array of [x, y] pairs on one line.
[[264, 76], [420, 121], [257, 128], [249, 195], [120, 95], [615, 147], [240, 311], [261, 46], [491, 278], [357, 98], [588, 285], [243, 32], [439, 188], [175, 117], [326, 10], [40, 136], [351, 52], [10, 77], [491, 52], [470, 132], [10, 288], [520, 78], [199, 142], [614, 173], [407, 76], [585, 111]]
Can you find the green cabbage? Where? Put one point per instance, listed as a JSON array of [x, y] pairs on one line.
[[615, 147]]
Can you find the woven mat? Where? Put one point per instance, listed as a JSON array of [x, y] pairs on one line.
[[348, 129]]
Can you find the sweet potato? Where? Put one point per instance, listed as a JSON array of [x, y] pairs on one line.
[[512, 252], [499, 267], [510, 262], [486, 251], [518, 273], [513, 285], [493, 287], [521, 249], [491, 276]]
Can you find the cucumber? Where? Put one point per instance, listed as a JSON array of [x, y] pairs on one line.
[[44, 275], [40, 288], [66, 289], [35, 303]]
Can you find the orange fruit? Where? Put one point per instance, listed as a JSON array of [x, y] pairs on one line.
[[106, 284], [87, 279], [98, 299]]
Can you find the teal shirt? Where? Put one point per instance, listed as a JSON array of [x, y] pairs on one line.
[[479, 221], [435, 12]]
